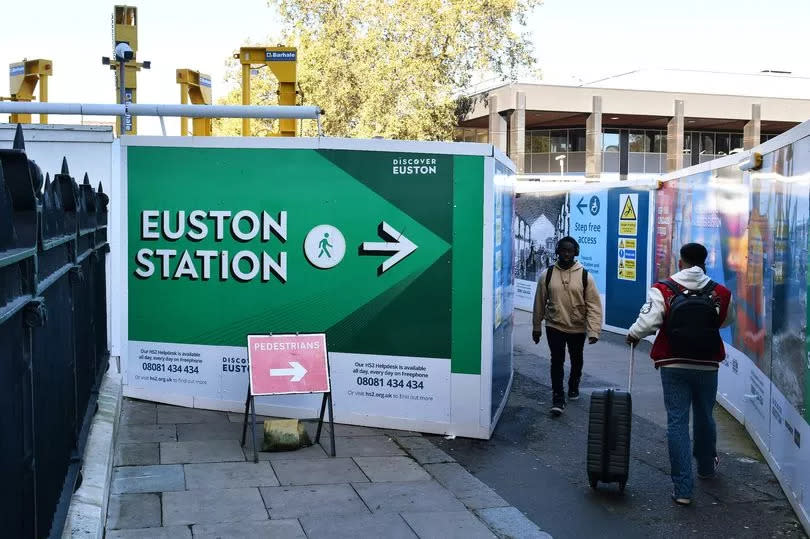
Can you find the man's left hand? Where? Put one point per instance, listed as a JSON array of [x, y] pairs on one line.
[[593, 340]]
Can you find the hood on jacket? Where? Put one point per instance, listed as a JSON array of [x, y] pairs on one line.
[[693, 278], [576, 266]]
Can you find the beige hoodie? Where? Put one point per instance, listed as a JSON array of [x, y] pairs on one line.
[[569, 309]]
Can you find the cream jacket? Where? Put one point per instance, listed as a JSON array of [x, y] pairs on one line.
[[569, 309]]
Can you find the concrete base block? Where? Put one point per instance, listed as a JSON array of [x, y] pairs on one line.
[[284, 435]]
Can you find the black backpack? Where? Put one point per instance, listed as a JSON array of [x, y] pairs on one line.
[[548, 282], [692, 323]]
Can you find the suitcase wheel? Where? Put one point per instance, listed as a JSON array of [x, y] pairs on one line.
[[593, 482], [621, 486]]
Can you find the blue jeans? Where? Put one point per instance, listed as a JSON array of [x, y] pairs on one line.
[[685, 388]]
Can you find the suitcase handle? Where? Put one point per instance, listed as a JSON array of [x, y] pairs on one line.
[[632, 364]]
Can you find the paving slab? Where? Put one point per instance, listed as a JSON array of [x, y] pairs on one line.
[[138, 434], [401, 496], [277, 529], [311, 452], [133, 511], [201, 451], [363, 446], [349, 430], [342, 429], [388, 525], [379, 469], [198, 432], [138, 413], [401, 433], [509, 522], [313, 500], [170, 532], [177, 414], [466, 487], [447, 525], [213, 506], [239, 417], [318, 471], [137, 454], [134, 479], [423, 451], [230, 475]]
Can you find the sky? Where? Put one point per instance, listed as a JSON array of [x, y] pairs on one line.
[[575, 41]]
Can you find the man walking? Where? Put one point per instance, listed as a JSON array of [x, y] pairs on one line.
[[568, 300], [689, 309]]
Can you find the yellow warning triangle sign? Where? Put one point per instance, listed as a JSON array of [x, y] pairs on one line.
[[628, 212], [621, 244]]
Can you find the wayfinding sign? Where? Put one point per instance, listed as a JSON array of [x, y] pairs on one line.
[[386, 247], [282, 364]]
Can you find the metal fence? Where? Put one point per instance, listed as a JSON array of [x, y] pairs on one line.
[[53, 337]]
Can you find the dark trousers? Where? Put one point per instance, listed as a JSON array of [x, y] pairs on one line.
[[557, 341]]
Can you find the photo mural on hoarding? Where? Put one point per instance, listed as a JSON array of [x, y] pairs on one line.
[[503, 284], [789, 222], [542, 219], [377, 249], [611, 226], [755, 226]]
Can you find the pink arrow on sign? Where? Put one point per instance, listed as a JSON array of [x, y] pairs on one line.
[[297, 371]]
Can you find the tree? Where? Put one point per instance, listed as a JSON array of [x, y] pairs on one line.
[[394, 68]]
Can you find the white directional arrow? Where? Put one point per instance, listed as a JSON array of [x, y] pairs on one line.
[[297, 371], [399, 245]]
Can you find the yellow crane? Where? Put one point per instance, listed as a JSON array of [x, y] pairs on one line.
[[23, 79], [196, 87], [283, 62]]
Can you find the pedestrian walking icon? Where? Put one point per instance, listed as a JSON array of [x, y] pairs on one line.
[[324, 246]]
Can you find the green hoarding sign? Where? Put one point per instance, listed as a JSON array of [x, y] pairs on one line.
[[381, 250]]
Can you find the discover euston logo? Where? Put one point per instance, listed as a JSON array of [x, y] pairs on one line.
[[414, 166]]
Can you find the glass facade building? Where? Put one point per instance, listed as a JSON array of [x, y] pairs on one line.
[[550, 150], [646, 149]]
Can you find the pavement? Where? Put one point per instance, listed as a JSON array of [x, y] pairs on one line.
[[181, 472], [537, 462]]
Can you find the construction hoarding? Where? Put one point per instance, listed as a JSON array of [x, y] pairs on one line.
[[390, 248], [755, 225]]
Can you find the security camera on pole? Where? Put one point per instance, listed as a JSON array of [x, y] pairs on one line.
[[123, 54], [125, 41]]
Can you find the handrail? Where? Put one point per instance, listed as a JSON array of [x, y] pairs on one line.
[[139, 109]]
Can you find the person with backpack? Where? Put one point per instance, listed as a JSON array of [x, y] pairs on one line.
[[567, 299], [689, 309]]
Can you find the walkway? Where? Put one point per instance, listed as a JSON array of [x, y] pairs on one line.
[[181, 473], [537, 463]]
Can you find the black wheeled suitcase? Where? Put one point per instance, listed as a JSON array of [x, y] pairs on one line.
[[609, 421]]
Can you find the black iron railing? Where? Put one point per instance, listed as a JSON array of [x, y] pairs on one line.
[[53, 337]]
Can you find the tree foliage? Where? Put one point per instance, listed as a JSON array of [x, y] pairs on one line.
[[393, 68]]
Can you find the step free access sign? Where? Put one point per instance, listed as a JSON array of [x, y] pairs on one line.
[[283, 364]]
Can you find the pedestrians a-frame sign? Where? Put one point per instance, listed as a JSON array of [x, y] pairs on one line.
[[284, 365]]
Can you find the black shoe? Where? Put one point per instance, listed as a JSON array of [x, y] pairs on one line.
[[573, 394], [712, 475], [558, 404]]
